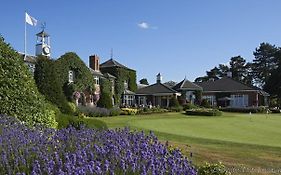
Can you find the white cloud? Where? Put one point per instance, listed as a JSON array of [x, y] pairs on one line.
[[143, 25]]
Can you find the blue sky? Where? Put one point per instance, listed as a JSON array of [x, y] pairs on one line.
[[175, 37]]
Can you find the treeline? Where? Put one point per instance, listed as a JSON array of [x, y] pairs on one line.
[[263, 71]]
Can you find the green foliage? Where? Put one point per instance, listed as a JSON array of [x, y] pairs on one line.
[[176, 109], [238, 68], [174, 102], [153, 110], [83, 79], [121, 75], [265, 61], [46, 78], [144, 81], [105, 100], [198, 97], [260, 109], [203, 112], [189, 106], [65, 120], [205, 103], [213, 169], [19, 96]]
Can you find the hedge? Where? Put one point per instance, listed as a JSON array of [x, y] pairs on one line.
[[203, 112], [19, 96], [260, 109]]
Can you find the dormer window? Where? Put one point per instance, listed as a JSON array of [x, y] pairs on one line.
[[70, 76]]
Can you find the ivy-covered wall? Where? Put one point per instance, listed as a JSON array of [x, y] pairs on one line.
[[121, 75], [83, 79], [106, 94]]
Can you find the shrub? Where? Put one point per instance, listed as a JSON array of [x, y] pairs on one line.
[[174, 102], [105, 101], [153, 110], [204, 112], [19, 96], [260, 109], [205, 103], [176, 109], [213, 169], [94, 111], [115, 111], [189, 106], [129, 111]]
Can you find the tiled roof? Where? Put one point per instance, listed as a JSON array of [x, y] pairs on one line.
[[170, 84], [113, 63], [154, 89], [226, 84], [108, 75], [128, 92], [187, 85], [97, 73]]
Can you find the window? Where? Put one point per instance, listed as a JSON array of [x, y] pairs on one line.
[[211, 99], [97, 80], [31, 67], [70, 76], [128, 100], [126, 84]]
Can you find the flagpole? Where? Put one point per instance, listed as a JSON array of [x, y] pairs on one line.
[[24, 35]]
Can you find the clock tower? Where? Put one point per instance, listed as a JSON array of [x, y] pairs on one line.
[[43, 44]]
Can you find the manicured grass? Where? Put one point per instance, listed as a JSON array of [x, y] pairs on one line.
[[238, 140]]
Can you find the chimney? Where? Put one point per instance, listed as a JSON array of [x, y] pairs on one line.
[[159, 78], [229, 74], [94, 62]]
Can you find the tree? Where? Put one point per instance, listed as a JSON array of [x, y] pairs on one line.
[[264, 63], [238, 68], [224, 69], [144, 81], [273, 84], [19, 96]]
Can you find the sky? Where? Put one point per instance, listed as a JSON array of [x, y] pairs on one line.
[[178, 38]]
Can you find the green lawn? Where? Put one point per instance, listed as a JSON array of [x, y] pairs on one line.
[[238, 140]]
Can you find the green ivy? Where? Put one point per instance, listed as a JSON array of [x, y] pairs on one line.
[[46, 78], [83, 79], [106, 94], [121, 75], [19, 96]]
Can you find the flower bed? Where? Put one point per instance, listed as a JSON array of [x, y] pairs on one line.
[[204, 112], [85, 151]]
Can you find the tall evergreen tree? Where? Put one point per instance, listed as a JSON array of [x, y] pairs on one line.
[[264, 63], [238, 68]]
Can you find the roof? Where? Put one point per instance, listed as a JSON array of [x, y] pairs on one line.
[[170, 84], [155, 89], [28, 58], [227, 84], [128, 92], [187, 85], [97, 73], [139, 86], [113, 63], [108, 75]]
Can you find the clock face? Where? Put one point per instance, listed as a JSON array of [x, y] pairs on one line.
[[46, 50]]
